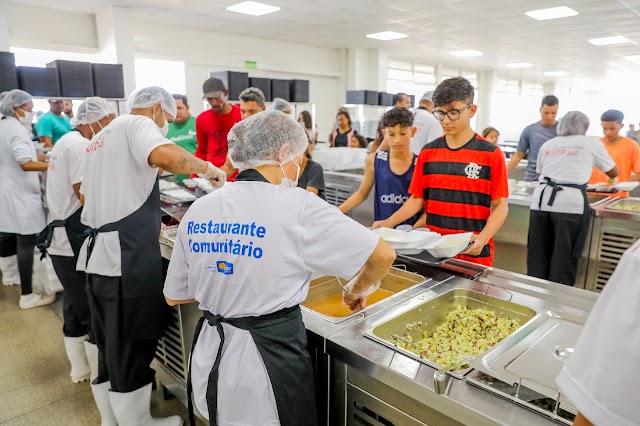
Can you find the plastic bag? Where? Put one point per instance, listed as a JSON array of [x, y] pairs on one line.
[[45, 280]]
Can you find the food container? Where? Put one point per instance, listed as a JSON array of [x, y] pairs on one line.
[[190, 184], [625, 204], [402, 240], [433, 313], [325, 294], [449, 245]]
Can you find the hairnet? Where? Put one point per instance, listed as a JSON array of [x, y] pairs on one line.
[[257, 140], [573, 123], [280, 104], [91, 110], [14, 98], [149, 96]]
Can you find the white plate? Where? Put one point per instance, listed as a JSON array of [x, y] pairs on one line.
[[439, 252]]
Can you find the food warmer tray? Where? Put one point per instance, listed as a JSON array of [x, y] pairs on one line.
[[433, 312], [423, 258], [534, 354], [620, 205]]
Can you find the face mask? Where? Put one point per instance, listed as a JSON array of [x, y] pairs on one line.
[[288, 183], [164, 130], [27, 120], [93, 131]]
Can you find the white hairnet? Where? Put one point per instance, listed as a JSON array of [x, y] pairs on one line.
[[280, 104], [149, 96], [14, 98], [257, 140], [91, 110]]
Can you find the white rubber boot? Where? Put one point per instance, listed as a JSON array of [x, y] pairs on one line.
[[35, 300], [92, 358], [9, 269], [80, 369], [101, 396], [132, 409]]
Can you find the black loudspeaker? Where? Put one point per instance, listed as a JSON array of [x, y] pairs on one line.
[[263, 84], [385, 99], [280, 89], [299, 90], [235, 82], [8, 72], [108, 80], [39, 81], [362, 97], [76, 78]]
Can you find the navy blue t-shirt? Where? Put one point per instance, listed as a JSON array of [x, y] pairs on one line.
[[391, 190]]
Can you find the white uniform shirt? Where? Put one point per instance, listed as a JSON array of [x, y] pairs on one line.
[[21, 209], [428, 129], [568, 159], [283, 236], [66, 168], [117, 181], [600, 378]]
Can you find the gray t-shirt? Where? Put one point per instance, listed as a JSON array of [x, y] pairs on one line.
[[532, 138]]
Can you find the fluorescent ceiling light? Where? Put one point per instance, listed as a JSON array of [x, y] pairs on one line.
[[555, 73], [466, 53], [387, 35], [633, 58], [552, 13], [605, 41], [519, 65], [253, 8]]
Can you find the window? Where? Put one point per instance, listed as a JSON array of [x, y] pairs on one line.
[[167, 74], [410, 78], [533, 89], [508, 86]]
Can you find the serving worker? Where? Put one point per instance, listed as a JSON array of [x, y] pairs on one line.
[[559, 216], [64, 235], [121, 256], [389, 172], [460, 179], [624, 151], [21, 209], [245, 254]]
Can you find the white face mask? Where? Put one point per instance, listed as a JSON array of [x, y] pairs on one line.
[[288, 183], [93, 131], [164, 130], [27, 120]]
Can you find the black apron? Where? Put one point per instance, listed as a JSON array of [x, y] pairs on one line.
[[282, 342], [586, 212], [143, 304], [76, 233]]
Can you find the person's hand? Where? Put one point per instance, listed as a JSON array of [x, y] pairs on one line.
[[216, 176], [357, 300], [381, 224], [612, 181], [478, 244]]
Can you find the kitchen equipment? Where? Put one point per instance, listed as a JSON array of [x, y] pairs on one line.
[[535, 353], [625, 204], [433, 312], [325, 294]]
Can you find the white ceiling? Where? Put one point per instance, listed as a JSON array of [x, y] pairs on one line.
[[499, 28]]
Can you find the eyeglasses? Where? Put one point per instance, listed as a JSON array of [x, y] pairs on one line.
[[453, 114]]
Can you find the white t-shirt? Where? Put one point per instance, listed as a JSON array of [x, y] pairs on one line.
[[66, 168], [428, 129], [117, 181], [21, 209], [568, 159], [283, 236], [600, 378]]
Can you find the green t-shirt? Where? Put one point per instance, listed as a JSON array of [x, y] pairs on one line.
[[53, 126], [184, 135]]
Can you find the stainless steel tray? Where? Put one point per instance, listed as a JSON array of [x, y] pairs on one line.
[[535, 353], [618, 204], [433, 312], [397, 282]]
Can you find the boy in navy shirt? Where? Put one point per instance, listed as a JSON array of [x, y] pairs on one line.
[[391, 171]]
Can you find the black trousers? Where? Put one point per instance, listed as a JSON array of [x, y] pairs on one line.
[[23, 246], [125, 363], [75, 305], [552, 237]]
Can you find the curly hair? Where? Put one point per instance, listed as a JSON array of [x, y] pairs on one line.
[[452, 90], [397, 116]]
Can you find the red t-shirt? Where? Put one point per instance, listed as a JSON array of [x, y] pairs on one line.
[[211, 133], [458, 186]]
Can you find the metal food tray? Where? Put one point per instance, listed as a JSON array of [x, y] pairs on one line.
[[396, 281], [433, 312], [624, 201], [535, 353]]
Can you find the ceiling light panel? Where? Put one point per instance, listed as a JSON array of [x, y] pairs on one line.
[[253, 8], [606, 41], [551, 13], [387, 35]]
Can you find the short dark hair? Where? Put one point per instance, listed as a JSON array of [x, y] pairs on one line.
[[252, 94], [183, 98], [346, 115], [549, 100], [452, 90], [612, 115], [397, 116], [362, 142], [398, 97]]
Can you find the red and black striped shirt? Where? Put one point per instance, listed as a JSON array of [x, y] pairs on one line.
[[458, 186]]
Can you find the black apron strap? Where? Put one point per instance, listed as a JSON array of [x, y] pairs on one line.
[[46, 236]]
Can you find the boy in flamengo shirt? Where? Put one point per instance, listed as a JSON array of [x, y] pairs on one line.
[[460, 179]]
